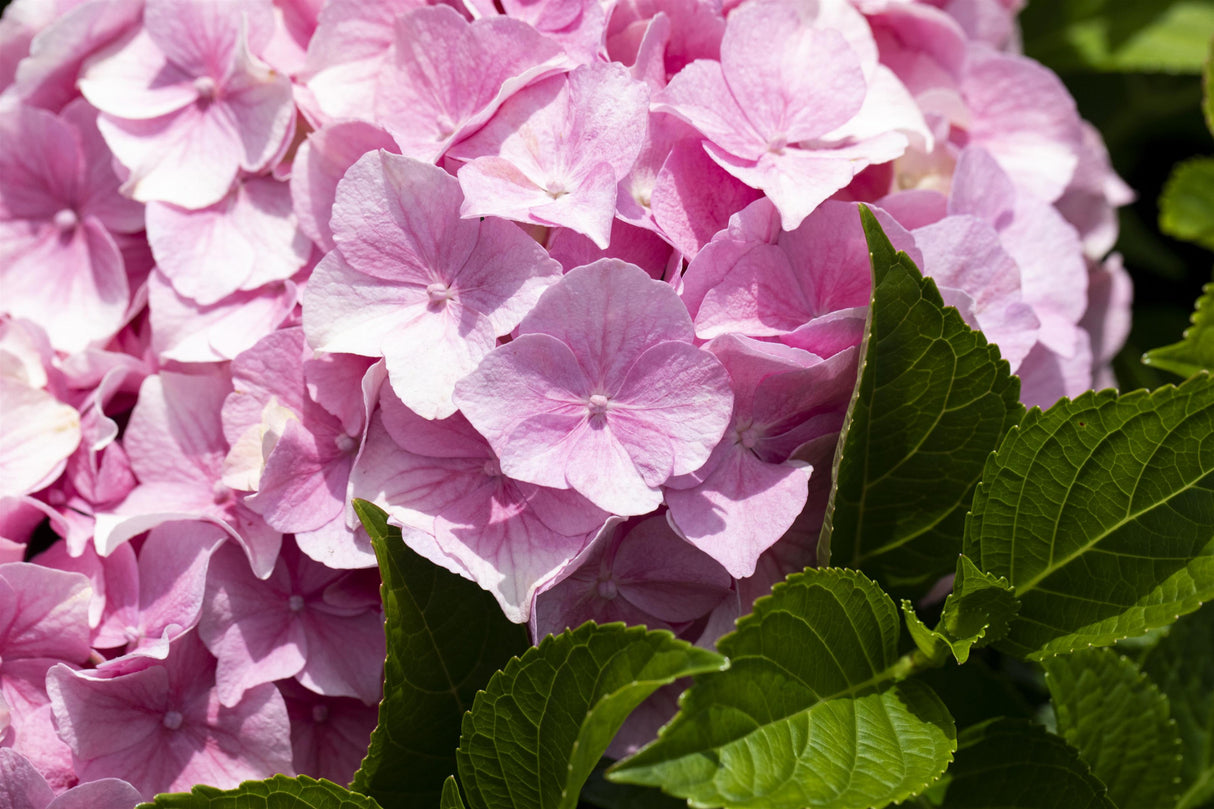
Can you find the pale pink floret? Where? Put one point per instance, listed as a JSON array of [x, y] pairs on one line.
[[297, 623], [187, 104], [161, 597], [602, 390], [23, 787], [754, 486], [412, 282], [59, 206], [319, 165], [186, 331], [43, 621], [329, 735], [578, 25], [70, 32], [39, 434], [759, 280], [162, 727], [774, 109], [554, 153], [347, 53], [287, 449], [618, 580], [429, 103], [176, 446], [246, 240], [443, 483]]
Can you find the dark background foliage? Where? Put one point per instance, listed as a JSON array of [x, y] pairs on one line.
[[1150, 115]]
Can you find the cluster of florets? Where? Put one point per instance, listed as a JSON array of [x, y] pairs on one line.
[[574, 289]]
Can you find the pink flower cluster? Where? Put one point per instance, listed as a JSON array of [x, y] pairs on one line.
[[574, 289]]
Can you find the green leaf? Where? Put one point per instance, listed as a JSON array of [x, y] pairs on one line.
[[1008, 763], [1170, 36], [1182, 665], [1195, 351], [810, 712], [1186, 206], [538, 729], [1100, 512], [932, 402], [1120, 723], [451, 798], [977, 612], [446, 638], [1207, 81], [279, 791]]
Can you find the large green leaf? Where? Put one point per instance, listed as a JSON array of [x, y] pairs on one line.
[[535, 733], [1182, 664], [1125, 35], [1186, 207], [932, 402], [1014, 764], [1195, 351], [1120, 723], [446, 638], [1100, 513], [810, 712], [978, 611], [279, 791]]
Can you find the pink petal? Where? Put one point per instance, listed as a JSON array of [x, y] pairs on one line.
[[429, 104]]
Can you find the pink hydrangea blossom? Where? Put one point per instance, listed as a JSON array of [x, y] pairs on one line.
[[59, 207], [299, 622], [186, 102], [162, 728], [554, 153], [176, 445], [753, 487], [427, 104], [412, 282], [245, 241], [444, 484], [602, 390], [23, 787], [43, 623]]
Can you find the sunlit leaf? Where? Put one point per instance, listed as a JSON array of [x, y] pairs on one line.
[[1146, 35], [541, 725], [279, 791], [1100, 513], [811, 712], [1186, 207]]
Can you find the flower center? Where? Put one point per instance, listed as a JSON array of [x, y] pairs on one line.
[[172, 719], [598, 404], [205, 87], [607, 589], [65, 219], [492, 468], [220, 493], [295, 603], [748, 436], [320, 713], [439, 293], [776, 144], [346, 443]]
